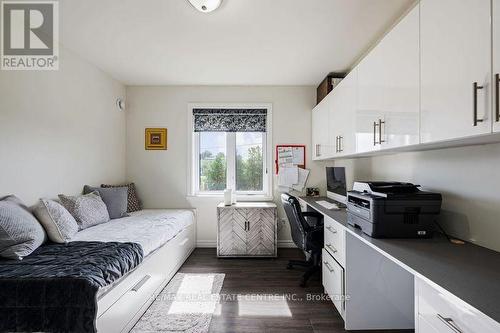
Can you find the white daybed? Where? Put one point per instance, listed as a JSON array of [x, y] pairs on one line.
[[167, 237]]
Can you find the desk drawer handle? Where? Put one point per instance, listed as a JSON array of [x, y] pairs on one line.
[[139, 284], [333, 231], [450, 323], [334, 250], [327, 265]]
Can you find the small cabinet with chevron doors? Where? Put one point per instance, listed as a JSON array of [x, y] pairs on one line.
[[247, 229]]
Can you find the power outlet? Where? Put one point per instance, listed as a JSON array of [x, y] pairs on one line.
[[282, 222]]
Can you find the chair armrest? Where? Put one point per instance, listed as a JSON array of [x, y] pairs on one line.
[[316, 229]]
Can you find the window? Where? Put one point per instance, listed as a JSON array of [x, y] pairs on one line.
[[230, 150], [212, 155], [249, 162]]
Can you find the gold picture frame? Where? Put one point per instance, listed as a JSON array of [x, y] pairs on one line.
[[156, 139]]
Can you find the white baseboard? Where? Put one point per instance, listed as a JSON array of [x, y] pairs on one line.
[[286, 244], [212, 244], [206, 243]]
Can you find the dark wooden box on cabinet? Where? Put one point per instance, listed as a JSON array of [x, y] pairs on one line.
[[327, 85]]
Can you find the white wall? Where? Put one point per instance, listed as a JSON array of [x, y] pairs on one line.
[[467, 177], [59, 130], [161, 176]]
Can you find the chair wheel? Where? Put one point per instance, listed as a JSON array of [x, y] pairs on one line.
[[289, 266]]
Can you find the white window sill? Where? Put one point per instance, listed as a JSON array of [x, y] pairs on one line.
[[255, 197]]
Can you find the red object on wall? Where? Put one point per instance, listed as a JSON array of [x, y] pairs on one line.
[[303, 166]]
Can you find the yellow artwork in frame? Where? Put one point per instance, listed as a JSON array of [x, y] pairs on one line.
[[156, 139]]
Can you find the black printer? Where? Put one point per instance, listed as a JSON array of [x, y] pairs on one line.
[[392, 209]]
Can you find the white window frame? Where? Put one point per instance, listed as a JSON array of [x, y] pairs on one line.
[[193, 153]]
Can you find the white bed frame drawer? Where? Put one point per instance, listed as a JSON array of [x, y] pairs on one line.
[[335, 239], [125, 303], [333, 281], [132, 304], [446, 313]]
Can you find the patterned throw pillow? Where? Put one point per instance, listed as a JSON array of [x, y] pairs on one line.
[[56, 220], [20, 232], [88, 209], [134, 204]]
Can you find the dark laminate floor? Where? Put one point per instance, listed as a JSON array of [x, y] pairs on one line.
[[257, 313]]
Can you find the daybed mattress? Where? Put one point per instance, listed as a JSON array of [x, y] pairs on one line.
[[150, 228]]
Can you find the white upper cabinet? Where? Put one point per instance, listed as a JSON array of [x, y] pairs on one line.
[[342, 116], [321, 134], [455, 69], [496, 65], [387, 112]]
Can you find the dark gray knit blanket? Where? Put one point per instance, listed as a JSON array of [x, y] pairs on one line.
[[55, 288]]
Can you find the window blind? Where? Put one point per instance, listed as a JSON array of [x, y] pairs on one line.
[[229, 120]]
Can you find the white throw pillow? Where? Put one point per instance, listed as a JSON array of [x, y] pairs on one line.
[[20, 232], [59, 224]]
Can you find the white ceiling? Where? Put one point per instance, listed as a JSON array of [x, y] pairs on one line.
[[244, 42]]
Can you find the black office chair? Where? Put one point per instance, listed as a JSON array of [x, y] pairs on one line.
[[308, 236]]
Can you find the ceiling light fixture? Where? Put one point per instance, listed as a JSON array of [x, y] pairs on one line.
[[205, 6]]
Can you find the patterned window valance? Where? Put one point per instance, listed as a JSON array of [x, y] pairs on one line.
[[229, 120]]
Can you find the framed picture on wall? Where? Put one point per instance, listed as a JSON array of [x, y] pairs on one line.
[[156, 139]]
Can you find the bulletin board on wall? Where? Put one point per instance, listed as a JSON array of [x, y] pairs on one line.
[[290, 154]]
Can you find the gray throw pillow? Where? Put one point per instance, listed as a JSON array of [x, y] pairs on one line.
[[134, 203], [114, 198], [88, 209], [59, 224], [20, 232]]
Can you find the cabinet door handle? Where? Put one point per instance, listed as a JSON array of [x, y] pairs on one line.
[[341, 144], [333, 231], [248, 227], [475, 88], [336, 144], [380, 122], [450, 323], [375, 133], [139, 284], [327, 265], [497, 96], [334, 250], [318, 149]]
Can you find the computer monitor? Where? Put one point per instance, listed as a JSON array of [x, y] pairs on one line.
[[336, 187]]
